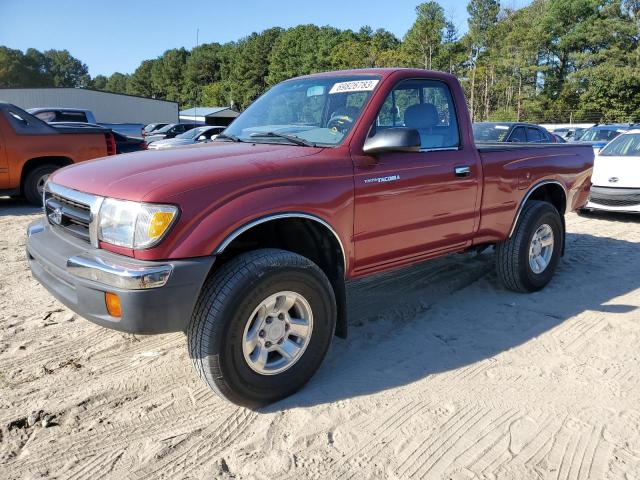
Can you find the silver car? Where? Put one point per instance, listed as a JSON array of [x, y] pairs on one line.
[[195, 135]]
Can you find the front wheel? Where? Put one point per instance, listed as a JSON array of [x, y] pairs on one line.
[[527, 260], [33, 185], [262, 326]]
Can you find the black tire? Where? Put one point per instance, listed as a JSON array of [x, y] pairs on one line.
[[512, 255], [226, 302], [34, 177]]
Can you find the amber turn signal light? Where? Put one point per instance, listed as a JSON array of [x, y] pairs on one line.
[[113, 304], [159, 223]]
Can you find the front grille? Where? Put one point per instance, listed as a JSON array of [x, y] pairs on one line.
[[72, 216], [615, 197]]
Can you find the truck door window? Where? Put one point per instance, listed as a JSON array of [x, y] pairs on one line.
[[425, 105], [518, 135]]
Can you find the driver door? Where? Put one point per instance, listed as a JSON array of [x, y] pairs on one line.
[[409, 205]]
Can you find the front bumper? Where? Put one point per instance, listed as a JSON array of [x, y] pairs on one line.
[[614, 199], [156, 297]]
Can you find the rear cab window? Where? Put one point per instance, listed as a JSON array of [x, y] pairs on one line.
[[46, 116], [66, 116], [427, 106], [61, 116]]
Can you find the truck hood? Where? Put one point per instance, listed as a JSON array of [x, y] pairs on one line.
[[619, 172], [155, 176]]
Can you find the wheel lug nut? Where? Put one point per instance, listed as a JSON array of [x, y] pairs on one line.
[[267, 344], [281, 316], [268, 320], [261, 333]]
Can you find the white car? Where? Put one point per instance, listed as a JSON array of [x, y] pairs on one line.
[[195, 135], [616, 175]]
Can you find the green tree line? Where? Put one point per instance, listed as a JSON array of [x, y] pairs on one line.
[[553, 60]]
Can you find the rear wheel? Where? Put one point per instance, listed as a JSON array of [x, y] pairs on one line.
[[33, 185], [527, 261], [262, 326]]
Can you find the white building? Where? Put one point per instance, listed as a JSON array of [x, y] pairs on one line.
[[221, 116], [107, 107]]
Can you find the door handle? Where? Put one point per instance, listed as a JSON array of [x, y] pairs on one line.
[[464, 171]]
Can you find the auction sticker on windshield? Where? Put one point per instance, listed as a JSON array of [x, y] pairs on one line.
[[354, 86]]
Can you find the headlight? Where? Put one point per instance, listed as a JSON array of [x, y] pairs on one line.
[[134, 225]]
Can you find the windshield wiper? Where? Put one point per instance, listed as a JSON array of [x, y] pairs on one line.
[[227, 137], [292, 138]]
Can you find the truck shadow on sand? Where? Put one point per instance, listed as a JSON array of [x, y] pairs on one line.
[[452, 313], [17, 207]]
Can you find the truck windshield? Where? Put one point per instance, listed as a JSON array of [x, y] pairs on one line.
[[193, 133], [624, 146], [490, 132], [309, 111], [598, 134], [166, 128]]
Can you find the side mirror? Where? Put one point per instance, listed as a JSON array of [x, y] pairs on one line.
[[202, 138], [397, 139]]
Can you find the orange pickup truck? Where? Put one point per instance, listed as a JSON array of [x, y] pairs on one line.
[[30, 150]]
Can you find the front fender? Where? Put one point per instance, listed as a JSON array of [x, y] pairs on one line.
[[206, 227]]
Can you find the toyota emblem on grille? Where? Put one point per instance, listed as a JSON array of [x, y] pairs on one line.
[[613, 179], [56, 216]]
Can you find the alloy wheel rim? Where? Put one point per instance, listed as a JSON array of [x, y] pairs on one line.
[[277, 333], [41, 183], [541, 249]]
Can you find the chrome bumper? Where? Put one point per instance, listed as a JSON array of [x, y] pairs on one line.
[[123, 275], [126, 277]]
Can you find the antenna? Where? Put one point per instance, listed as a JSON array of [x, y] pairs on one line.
[[195, 106]]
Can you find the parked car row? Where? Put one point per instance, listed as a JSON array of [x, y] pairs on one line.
[[521, 132], [567, 133], [194, 135], [169, 130], [152, 127], [616, 172], [599, 135], [511, 132], [616, 175], [154, 135]]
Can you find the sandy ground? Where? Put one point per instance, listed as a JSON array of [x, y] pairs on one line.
[[444, 375]]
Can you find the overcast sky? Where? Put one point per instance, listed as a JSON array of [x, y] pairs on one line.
[[117, 35]]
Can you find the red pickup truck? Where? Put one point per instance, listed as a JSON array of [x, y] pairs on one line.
[[246, 243]]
